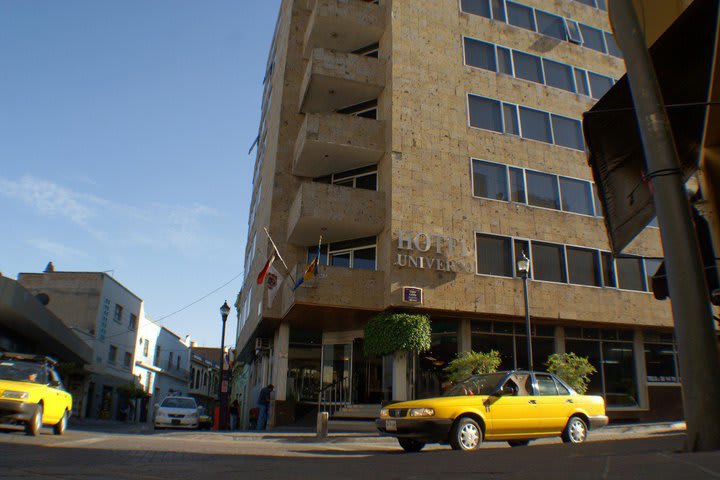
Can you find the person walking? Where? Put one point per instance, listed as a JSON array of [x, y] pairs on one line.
[[234, 414], [264, 406]]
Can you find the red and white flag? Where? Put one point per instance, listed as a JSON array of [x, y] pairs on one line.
[[273, 281], [264, 271]]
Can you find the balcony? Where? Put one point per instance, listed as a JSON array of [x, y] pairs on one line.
[[335, 212], [344, 25], [336, 80], [332, 143]]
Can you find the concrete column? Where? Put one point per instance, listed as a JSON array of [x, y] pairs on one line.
[[464, 335], [281, 347], [559, 339], [399, 385], [640, 370]]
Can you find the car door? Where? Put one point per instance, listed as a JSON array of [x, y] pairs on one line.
[[54, 398], [552, 407], [513, 415]]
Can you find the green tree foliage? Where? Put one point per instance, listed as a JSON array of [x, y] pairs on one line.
[[574, 370], [472, 363], [391, 332], [131, 391]]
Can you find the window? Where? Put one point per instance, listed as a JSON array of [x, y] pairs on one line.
[[551, 25], [581, 82], [485, 113], [476, 7], [127, 362], [178, 361], [146, 347], [517, 185], [567, 132], [612, 46], [630, 274], [661, 358], [548, 262], [170, 361], [118, 313], [498, 9], [528, 67], [583, 266], [608, 268], [573, 31], [112, 355], [520, 16], [651, 267], [576, 196], [504, 61], [512, 126], [542, 190], [535, 125], [156, 359], [489, 180], [357, 254], [562, 389], [494, 256], [559, 75], [593, 38], [480, 54], [546, 385], [599, 84], [364, 109], [132, 325]]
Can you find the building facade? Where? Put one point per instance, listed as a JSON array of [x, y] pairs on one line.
[[433, 144], [204, 375], [104, 314]]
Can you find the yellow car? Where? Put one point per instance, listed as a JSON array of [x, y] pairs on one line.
[[516, 406], [32, 394]]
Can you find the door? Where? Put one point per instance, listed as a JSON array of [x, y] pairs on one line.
[[371, 376], [336, 373], [514, 415], [553, 409]]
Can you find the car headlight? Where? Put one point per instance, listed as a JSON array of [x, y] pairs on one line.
[[15, 394], [384, 412], [422, 412]]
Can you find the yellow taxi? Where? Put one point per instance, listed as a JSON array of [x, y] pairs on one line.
[[515, 406], [32, 394]]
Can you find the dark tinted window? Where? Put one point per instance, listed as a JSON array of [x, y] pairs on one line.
[[498, 9], [511, 119], [559, 75], [651, 267], [545, 384], [528, 67], [599, 85], [364, 259], [567, 132], [608, 267], [550, 25], [592, 38], [367, 182], [581, 82], [583, 266], [480, 54], [493, 255], [520, 16], [476, 7], [630, 274], [548, 262], [576, 196], [490, 180], [612, 46], [504, 61], [517, 185], [535, 125], [542, 190], [485, 113]]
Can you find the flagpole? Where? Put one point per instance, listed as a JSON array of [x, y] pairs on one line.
[[278, 254]]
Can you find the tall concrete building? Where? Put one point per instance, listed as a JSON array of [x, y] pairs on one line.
[[431, 144]]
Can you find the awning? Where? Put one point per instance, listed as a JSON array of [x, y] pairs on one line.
[[684, 59]]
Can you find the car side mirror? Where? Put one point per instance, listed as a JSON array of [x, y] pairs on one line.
[[54, 383], [508, 390]]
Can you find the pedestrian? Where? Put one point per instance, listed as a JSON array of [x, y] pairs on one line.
[[234, 414], [264, 406]]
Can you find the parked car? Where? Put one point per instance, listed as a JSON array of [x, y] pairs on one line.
[[177, 412], [32, 394], [515, 406], [205, 420]]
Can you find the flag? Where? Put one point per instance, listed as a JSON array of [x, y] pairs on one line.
[[273, 282], [264, 271], [310, 272]]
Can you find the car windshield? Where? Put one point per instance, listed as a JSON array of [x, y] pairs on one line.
[[179, 403], [20, 371], [476, 385]]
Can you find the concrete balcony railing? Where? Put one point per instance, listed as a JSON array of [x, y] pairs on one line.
[[336, 80], [332, 143], [335, 212], [344, 25]]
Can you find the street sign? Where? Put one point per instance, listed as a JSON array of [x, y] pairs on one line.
[[412, 295]]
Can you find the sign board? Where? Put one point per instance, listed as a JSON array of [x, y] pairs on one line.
[[412, 295]]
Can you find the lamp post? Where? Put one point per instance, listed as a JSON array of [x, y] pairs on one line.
[[523, 266], [222, 390]]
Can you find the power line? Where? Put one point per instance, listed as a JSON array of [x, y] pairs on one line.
[[201, 298]]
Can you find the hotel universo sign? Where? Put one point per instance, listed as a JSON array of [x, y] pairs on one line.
[[433, 252]]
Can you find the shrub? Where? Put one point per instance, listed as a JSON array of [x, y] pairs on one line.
[[391, 332], [472, 363], [574, 370]]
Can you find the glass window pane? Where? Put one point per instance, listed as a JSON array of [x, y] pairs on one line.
[[511, 119], [608, 268], [542, 190], [593, 38], [601, 4], [589, 3], [517, 185], [503, 344], [340, 259], [550, 25], [480, 54], [520, 16], [651, 267], [364, 259], [485, 113], [612, 46], [493, 255], [559, 75], [476, 7], [660, 362], [581, 82], [596, 199], [548, 262], [535, 125], [568, 132], [498, 9], [545, 385], [367, 182], [583, 266], [521, 247], [573, 31], [599, 84], [504, 61], [591, 350], [630, 274], [528, 67], [619, 370], [576, 196], [489, 180]]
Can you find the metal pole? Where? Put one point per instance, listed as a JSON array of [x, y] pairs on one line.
[[527, 323], [699, 360], [221, 394]]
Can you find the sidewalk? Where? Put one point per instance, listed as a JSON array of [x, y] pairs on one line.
[[108, 426]]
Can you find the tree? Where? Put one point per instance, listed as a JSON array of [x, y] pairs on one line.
[[391, 332], [572, 369], [472, 363]]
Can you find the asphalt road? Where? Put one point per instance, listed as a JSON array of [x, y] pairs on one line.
[[97, 454]]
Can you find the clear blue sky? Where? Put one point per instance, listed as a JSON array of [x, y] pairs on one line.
[[124, 134]]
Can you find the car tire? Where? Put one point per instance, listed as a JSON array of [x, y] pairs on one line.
[[33, 426], [410, 445], [60, 427], [576, 430], [518, 443], [466, 435]]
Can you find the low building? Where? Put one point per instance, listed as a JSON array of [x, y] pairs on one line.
[[204, 375]]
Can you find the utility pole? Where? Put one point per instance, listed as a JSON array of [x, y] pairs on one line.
[[699, 359]]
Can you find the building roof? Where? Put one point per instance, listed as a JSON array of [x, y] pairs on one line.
[[210, 353], [102, 274]]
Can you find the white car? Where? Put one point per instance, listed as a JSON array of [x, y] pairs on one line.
[[177, 412]]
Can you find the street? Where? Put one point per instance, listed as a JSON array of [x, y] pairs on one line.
[[102, 453]]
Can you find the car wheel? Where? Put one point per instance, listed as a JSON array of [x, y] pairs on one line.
[[410, 445], [466, 435], [59, 428], [32, 427], [518, 443], [575, 431]]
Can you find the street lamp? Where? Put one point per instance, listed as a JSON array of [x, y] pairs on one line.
[[222, 389], [523, 266]]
